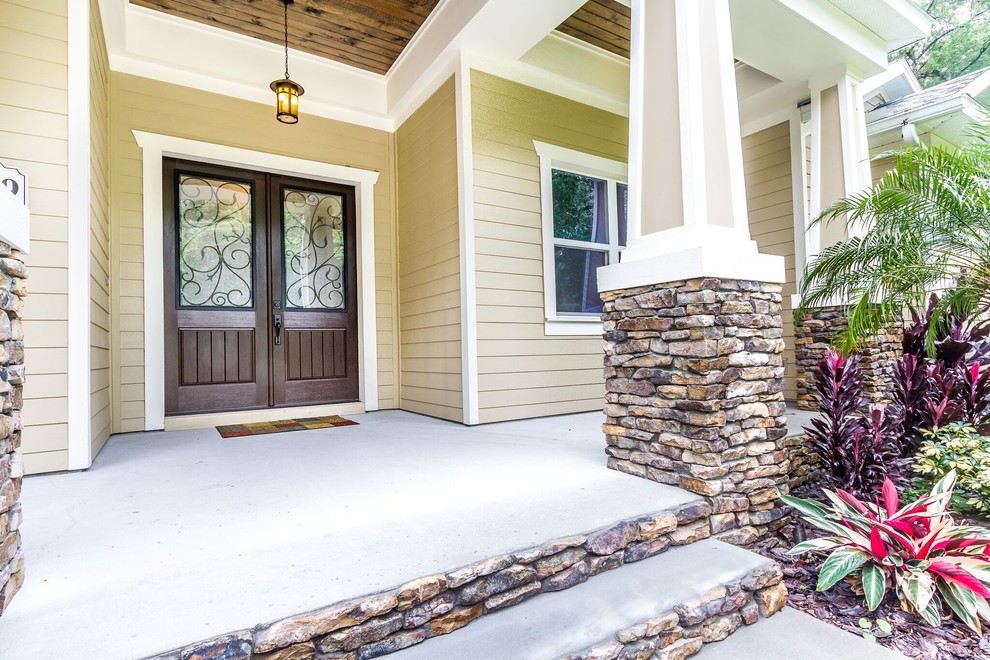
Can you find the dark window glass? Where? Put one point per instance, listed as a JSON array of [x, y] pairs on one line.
[[576, 274]]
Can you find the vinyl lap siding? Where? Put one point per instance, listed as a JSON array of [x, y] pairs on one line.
[[34, 51], [99, 242], [148, 105], [429, 259], [770, 197], [522, 372]]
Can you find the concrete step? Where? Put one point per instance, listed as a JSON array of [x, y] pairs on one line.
[[668, 604], [792, 634]]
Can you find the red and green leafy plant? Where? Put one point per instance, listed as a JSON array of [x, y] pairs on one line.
[[916, 551], [853, 443]]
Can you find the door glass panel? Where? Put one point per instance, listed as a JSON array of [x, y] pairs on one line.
[[313, 249], [215, 239]]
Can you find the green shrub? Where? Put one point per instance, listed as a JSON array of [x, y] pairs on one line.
[[958, 447]]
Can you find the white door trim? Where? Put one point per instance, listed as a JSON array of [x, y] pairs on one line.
[[155, 147]]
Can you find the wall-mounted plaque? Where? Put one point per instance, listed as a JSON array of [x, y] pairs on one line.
[[15, 181]]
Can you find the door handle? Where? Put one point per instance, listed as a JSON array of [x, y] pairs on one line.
[[277, 325]]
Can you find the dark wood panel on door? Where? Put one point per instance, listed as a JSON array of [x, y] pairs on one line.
[[260, 290], [315, 354], [217, 356]]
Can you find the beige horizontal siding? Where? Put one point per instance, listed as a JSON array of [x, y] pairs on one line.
[[770, 198], [148, 105], [34, 138], [522, 371], [99, 240], [429, 259]]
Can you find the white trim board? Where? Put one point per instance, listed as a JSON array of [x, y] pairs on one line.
[[465, 202], [79, 219], [552, 157], [155, 147]]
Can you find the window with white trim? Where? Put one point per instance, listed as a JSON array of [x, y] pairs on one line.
[[584, 202]]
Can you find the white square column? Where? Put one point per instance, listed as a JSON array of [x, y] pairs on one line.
[[687, 196]]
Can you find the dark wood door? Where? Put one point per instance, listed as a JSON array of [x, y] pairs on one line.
[[260, 290], [314, 292]]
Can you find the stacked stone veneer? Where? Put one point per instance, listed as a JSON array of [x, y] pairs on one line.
[[815, 332], [711, 617], [12, 291], [383, 623], [694, 382]]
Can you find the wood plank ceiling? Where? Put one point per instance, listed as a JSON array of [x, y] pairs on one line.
[[602, 23], [368, 34]]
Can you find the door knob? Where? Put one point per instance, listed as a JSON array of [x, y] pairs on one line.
[[277, 325]]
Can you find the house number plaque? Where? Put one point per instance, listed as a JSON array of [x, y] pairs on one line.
[[15, 181]]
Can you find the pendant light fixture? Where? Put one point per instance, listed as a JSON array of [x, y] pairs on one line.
[[287, 93]]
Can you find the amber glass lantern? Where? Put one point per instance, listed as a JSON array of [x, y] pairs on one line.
[[287, 95]]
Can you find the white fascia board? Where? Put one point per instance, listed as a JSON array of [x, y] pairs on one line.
[[228, 63], [426, 49]]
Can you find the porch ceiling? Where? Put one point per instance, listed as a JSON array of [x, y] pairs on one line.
[[368, 34], [602, 23]]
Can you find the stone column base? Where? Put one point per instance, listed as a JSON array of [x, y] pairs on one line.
[[694, 382], [12, 290], [817, 331]]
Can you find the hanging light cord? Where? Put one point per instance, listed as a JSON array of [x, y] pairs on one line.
[[285, 6]]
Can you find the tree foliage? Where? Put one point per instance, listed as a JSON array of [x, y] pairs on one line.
[[959, 42]]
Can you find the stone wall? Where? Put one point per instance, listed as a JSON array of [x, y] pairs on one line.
[[383, 623], [694, 382], [12, 291], [815, 333]]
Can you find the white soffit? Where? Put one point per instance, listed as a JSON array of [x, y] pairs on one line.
[[898, 22]]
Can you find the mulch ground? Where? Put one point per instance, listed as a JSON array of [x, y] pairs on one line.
[[841, 607]]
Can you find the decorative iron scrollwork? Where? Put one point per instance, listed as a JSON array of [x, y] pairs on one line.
[[215, 236], [313, 244]]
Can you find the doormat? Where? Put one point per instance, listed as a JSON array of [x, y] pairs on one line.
[[283, 425]]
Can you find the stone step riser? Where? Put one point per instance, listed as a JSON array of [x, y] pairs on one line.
[[386, 622], [711, 617]]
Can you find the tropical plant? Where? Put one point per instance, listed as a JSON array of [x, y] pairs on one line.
[[957, 446], [916, 551], [852, 448], [951, 383], [923, 227]]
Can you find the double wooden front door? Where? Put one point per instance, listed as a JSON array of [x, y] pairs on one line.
[[260, 290]]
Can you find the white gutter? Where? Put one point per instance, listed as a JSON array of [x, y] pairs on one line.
[[963, 104]]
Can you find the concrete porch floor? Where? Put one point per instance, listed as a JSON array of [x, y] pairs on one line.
[[174, 537]]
